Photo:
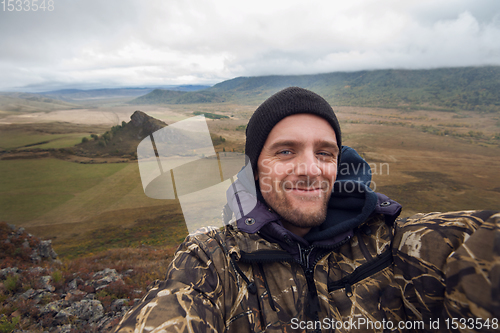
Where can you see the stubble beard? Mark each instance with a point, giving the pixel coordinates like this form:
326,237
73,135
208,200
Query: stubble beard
293,214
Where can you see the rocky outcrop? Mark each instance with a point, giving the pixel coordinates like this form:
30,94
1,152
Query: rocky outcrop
147,124
34,289
76,308
73,306
17,243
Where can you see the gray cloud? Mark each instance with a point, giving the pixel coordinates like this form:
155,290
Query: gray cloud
91,43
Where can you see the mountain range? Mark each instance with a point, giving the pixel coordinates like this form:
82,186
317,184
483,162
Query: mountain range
72,95
446,89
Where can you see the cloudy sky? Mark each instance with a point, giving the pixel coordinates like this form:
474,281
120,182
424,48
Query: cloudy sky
112,43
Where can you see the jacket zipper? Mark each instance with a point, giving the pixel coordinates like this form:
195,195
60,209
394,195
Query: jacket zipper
362,272
265,256
314,306
330,248
312,293
304,256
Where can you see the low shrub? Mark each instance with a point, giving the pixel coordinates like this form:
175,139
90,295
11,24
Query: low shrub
8,325
12,283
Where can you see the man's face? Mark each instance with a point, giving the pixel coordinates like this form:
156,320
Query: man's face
297,168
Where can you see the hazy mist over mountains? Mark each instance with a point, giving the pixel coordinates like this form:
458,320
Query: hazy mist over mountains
92,44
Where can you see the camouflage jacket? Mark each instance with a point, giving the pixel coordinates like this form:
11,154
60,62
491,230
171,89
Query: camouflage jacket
426,272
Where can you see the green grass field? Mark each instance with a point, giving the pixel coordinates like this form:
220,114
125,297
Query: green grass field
31,188
86,208
13,140
159,226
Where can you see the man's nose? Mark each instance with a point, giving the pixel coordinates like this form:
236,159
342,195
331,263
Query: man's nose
307,165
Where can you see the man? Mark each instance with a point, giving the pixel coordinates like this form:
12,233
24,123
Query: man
320,251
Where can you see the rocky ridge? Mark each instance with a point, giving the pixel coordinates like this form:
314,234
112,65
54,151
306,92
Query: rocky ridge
37,293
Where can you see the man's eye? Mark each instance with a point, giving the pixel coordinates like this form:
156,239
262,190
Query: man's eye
284,152
325,155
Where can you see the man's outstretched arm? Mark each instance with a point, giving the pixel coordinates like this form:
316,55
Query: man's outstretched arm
447,267
189,299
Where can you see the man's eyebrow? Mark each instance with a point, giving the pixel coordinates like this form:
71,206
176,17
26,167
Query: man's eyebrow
293,143
283,143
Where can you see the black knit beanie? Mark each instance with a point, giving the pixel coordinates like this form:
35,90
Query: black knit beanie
287,102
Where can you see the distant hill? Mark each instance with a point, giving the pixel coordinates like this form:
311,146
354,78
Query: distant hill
122,139
26,102
160,96
467,88
77,94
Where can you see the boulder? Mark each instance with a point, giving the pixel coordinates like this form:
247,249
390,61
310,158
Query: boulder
74,283
103,278
9,271
45,283
45,249
87,310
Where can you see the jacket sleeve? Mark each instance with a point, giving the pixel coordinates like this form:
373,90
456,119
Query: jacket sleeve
447,266
188,300
473,277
